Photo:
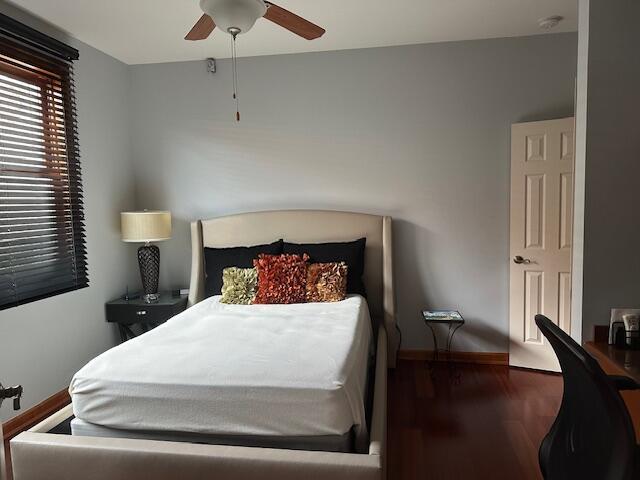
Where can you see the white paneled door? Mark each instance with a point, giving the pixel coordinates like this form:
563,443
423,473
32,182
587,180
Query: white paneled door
541,228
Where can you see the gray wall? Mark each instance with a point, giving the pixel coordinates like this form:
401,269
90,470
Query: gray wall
42,344
417,132
612,157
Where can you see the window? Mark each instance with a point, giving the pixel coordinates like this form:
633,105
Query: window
42,248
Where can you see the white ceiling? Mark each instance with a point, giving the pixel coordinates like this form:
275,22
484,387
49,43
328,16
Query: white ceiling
151,31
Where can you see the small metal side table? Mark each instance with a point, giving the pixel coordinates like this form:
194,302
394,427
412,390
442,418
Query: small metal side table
127,313
452,319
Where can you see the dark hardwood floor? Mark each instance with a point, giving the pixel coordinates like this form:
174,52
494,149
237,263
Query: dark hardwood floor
487,426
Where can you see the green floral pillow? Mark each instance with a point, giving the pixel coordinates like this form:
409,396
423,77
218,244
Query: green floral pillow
239,285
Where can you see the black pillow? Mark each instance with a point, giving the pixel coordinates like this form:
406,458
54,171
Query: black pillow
217,259
352,253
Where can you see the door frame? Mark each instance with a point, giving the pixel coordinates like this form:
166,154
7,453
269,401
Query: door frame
579,181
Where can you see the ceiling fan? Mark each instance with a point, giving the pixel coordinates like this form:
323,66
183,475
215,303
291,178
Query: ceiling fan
238,16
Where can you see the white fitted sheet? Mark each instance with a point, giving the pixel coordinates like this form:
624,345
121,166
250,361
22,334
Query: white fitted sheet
290,370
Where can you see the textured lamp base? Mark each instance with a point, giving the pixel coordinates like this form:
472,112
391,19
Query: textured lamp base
149,262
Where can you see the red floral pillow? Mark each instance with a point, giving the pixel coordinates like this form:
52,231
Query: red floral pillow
281,278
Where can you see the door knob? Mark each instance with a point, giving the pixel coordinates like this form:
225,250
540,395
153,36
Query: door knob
519,260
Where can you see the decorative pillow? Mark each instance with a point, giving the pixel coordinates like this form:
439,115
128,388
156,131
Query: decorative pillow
217,259
281,278
326,282
351,253
239,285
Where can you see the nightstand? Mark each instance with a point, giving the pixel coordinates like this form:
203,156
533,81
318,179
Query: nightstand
452,319
129,313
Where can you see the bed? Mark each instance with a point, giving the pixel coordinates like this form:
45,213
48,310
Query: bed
288,376
316,433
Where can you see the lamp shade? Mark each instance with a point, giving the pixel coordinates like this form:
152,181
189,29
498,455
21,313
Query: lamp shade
145,226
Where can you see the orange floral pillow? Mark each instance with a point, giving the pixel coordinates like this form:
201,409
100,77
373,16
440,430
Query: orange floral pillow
281,278
326,282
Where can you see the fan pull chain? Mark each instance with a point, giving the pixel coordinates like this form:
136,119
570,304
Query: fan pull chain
234,63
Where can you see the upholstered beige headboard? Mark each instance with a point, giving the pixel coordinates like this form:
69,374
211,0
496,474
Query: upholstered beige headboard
308,226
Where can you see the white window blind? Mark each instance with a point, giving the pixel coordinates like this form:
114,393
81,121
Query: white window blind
42,248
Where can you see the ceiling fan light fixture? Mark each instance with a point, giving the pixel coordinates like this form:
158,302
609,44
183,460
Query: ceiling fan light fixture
234,16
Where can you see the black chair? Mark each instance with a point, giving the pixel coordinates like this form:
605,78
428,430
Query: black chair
592,436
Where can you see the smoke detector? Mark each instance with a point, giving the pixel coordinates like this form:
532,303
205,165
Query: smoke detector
548,23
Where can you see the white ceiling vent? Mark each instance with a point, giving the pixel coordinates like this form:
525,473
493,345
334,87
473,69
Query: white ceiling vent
548,23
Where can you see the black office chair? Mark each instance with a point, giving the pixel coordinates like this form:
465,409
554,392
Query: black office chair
592,436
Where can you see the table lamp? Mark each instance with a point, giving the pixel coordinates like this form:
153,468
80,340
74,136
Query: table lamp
147,226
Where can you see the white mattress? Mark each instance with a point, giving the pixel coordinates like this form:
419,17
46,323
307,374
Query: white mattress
290,370
325,443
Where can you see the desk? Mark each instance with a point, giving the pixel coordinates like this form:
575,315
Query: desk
616,361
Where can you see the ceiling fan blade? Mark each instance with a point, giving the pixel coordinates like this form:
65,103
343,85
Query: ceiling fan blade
202,29
293,22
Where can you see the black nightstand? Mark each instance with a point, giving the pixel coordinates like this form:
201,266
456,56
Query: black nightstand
127,313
